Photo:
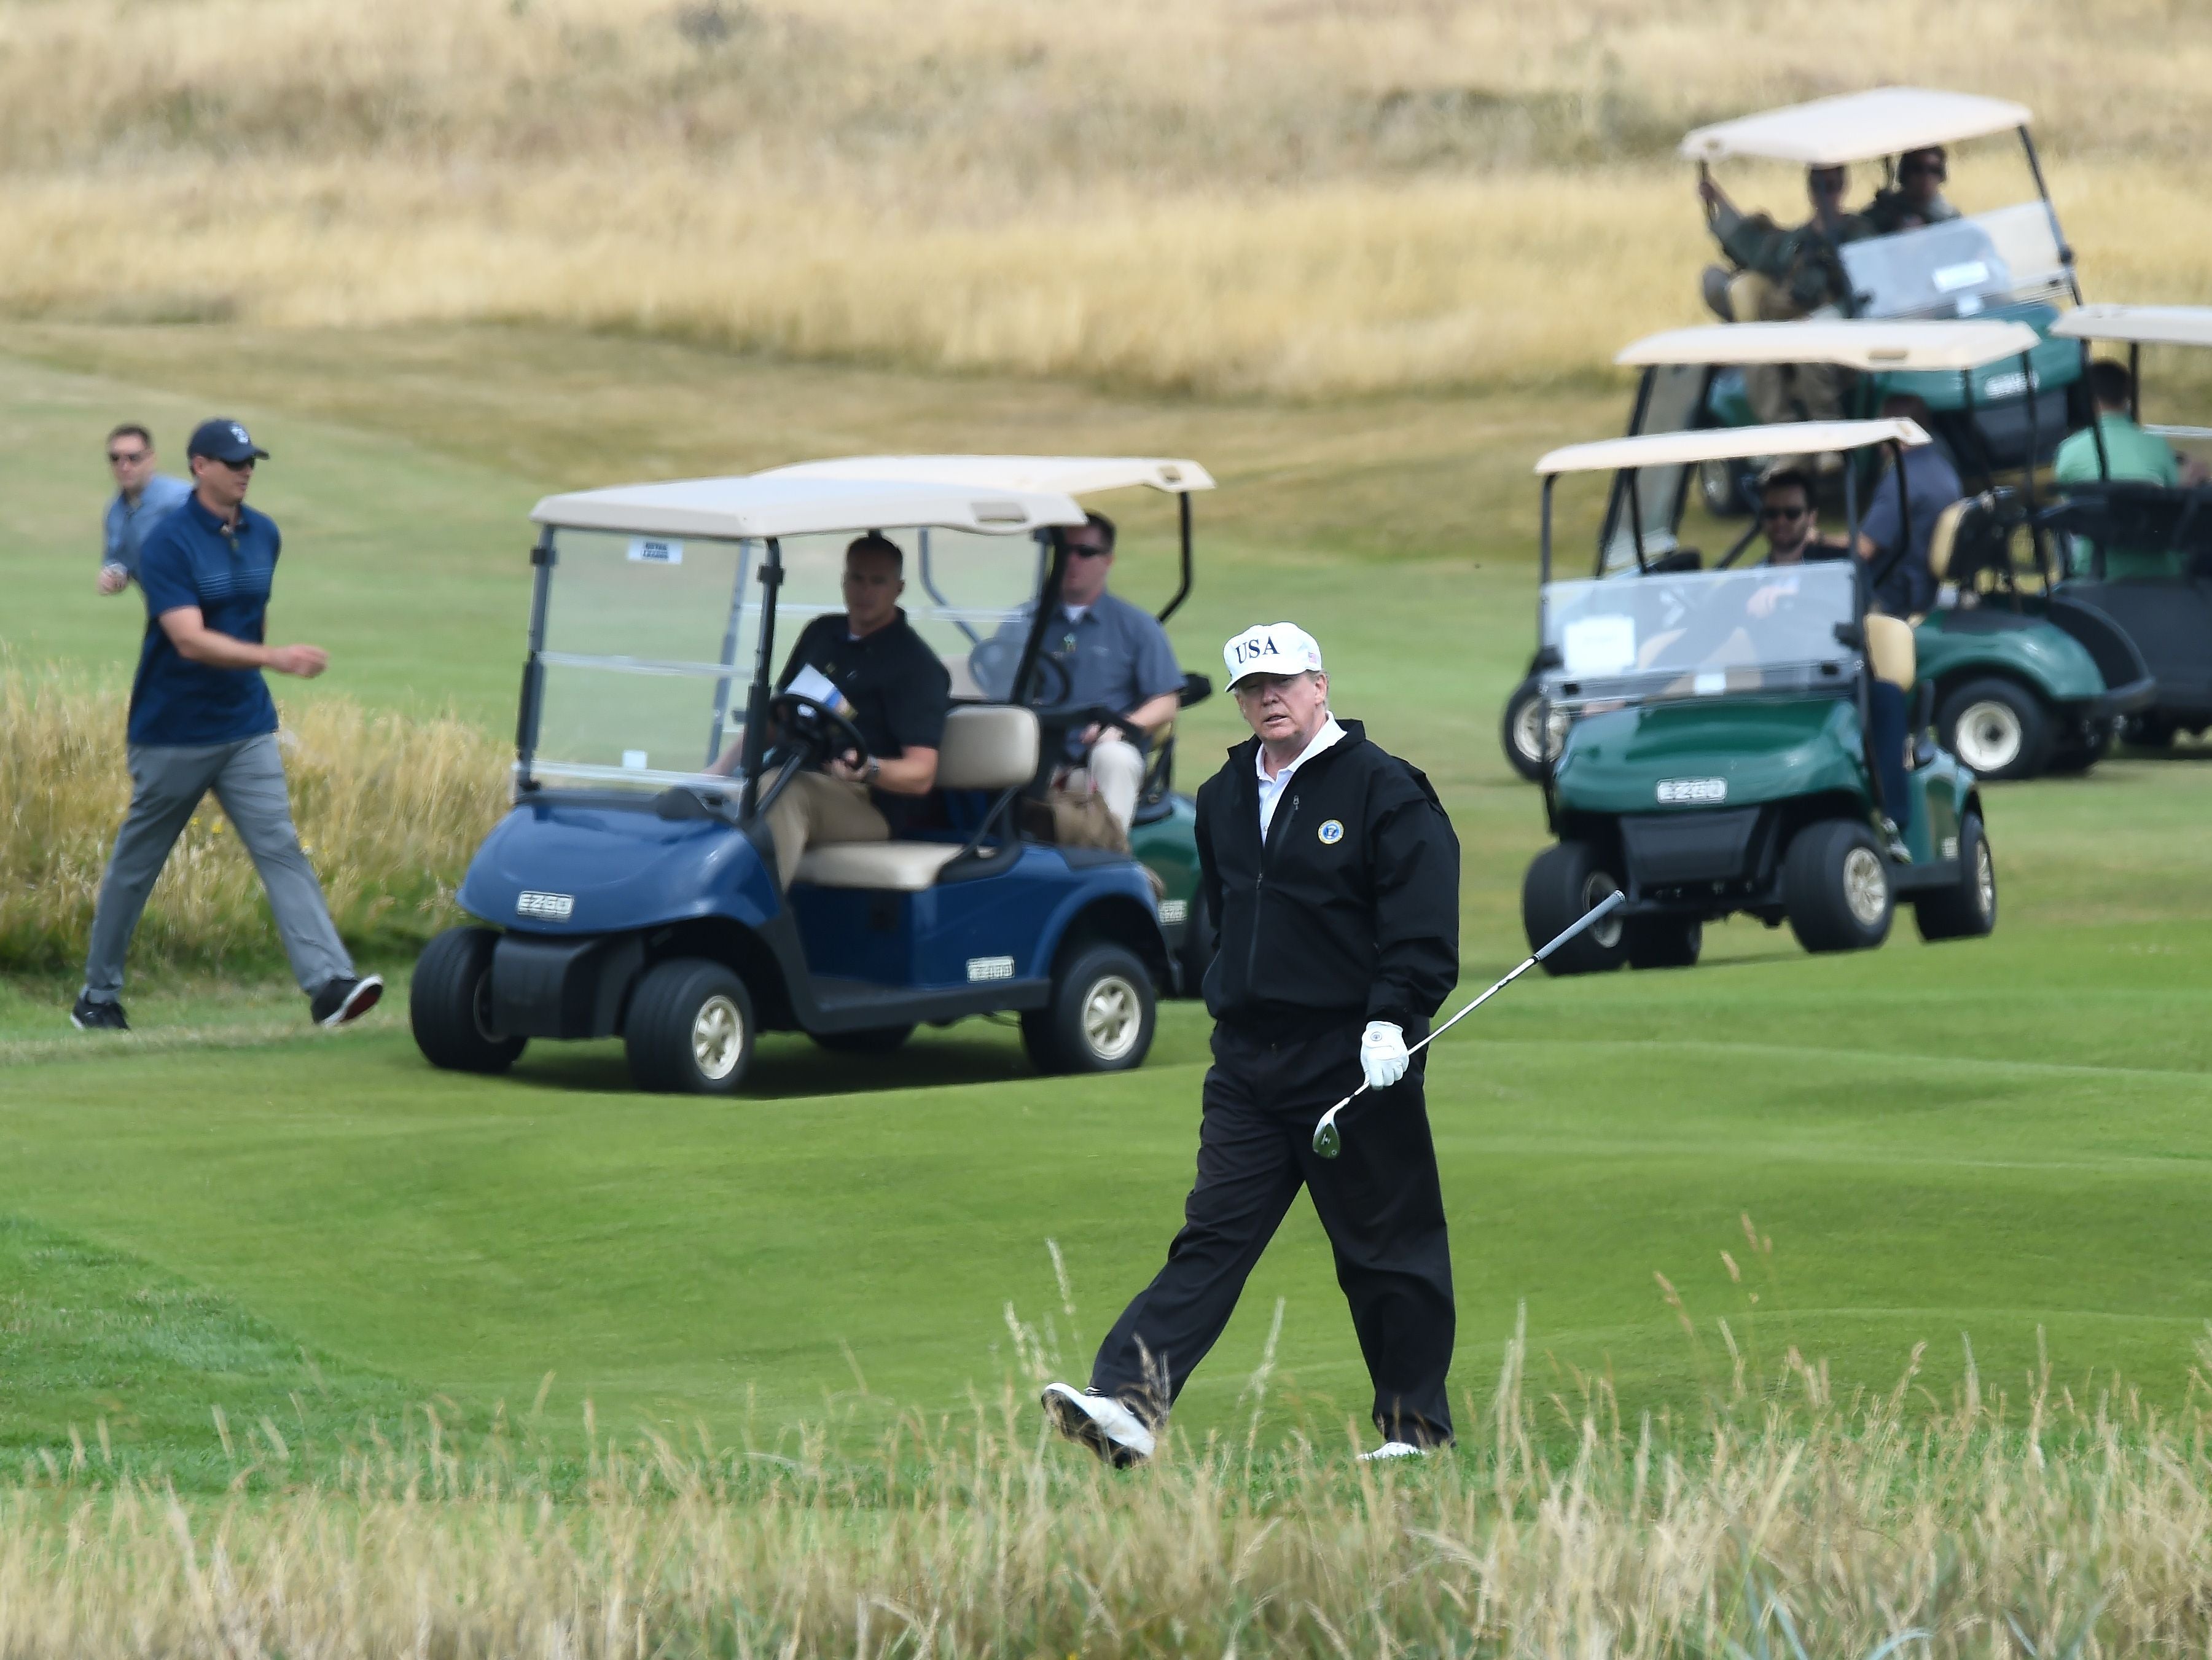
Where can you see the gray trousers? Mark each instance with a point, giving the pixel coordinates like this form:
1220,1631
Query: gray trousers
167,784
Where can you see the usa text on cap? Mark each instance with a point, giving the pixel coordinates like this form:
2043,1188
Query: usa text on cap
1270,648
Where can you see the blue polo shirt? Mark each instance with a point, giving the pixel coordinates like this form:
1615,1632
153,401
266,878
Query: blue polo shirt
193,558
1117,654
124,531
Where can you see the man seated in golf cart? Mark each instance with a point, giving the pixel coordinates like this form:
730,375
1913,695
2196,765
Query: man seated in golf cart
1917,198
869,664
1779,275
2116,447
1789,512
1114,656
1914,490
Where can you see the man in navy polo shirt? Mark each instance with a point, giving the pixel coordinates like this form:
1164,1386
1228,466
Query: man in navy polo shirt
202,718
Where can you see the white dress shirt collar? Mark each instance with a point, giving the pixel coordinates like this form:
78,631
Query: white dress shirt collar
1271,789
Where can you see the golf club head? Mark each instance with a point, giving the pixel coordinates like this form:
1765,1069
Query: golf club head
1326,1142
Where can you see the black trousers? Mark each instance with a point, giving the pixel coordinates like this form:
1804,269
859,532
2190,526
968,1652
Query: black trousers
1379,1199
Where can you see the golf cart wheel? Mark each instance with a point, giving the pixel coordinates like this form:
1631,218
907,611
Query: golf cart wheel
690,1029
1720,488
449,1004
2148,732
1562,885
874,1040
1997,727
1836,884
1520,731
1101,1016
1665,942
1967,910
2080,753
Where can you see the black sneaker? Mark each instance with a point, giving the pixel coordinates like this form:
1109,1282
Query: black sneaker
341,1001
88,1016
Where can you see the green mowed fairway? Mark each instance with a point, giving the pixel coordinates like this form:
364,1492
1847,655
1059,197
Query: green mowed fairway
2004,1140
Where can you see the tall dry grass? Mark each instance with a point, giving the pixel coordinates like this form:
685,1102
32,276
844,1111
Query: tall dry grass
389,809
1784,1522
1241,196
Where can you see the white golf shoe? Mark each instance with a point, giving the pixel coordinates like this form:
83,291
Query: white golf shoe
1099,1422
1394,1450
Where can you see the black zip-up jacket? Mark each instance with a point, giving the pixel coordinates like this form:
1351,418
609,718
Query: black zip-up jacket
1350,911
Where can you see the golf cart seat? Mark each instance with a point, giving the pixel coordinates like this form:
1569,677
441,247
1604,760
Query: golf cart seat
1974,537
988,747
965,687
1890,650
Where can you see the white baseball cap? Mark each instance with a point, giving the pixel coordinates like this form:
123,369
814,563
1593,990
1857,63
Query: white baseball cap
1272,648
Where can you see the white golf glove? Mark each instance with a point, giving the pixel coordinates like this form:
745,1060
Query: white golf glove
1382,1056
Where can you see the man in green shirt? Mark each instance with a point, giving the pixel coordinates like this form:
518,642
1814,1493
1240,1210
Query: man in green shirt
1781,274
2117,449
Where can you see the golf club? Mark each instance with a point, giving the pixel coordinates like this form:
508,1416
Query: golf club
1329,1140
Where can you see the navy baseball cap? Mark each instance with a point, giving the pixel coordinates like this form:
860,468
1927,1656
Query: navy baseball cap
224,441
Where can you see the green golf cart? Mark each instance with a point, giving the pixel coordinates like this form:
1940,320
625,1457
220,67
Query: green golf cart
1162,835
2160,593
2024,683
1714,753
2009,262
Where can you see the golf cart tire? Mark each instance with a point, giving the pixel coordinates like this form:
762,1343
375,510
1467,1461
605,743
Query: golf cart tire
2148,732
1664,942
1720,488
1522,721
1968,910
449,1004
2079,754
1998,727
690,1029
1827,863
1101,1016
1562,883
870,1040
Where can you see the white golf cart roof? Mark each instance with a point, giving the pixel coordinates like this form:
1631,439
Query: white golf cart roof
1070,475
2139,326
1866,345
1668,449
1858,127
768,504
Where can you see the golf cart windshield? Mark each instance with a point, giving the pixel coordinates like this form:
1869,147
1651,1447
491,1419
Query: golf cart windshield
1959,267
1699,634
650,641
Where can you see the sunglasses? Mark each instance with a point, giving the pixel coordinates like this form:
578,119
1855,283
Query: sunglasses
1082,550
1922,170
246,465
126,457
1784,513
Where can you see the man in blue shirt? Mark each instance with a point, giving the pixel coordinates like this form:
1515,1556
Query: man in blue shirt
1117,658
202,718
1907,587
144,498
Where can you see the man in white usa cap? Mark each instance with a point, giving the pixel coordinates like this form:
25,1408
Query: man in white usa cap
1335,873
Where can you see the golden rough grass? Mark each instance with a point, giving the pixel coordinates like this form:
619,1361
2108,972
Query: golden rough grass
1784,1522
389,809
1225,195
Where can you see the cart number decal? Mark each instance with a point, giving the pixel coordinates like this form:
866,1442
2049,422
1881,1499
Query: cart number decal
652,550
547,907
1682,792
990,968
1173,911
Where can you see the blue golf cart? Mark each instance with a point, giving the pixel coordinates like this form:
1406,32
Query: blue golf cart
632,890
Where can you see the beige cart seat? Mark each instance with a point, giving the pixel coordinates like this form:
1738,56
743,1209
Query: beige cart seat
1889,648
988,747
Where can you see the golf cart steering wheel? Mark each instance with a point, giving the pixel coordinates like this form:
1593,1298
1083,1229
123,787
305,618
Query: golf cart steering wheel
827,732
1067,717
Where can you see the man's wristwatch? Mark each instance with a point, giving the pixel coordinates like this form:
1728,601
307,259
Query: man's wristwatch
874,767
